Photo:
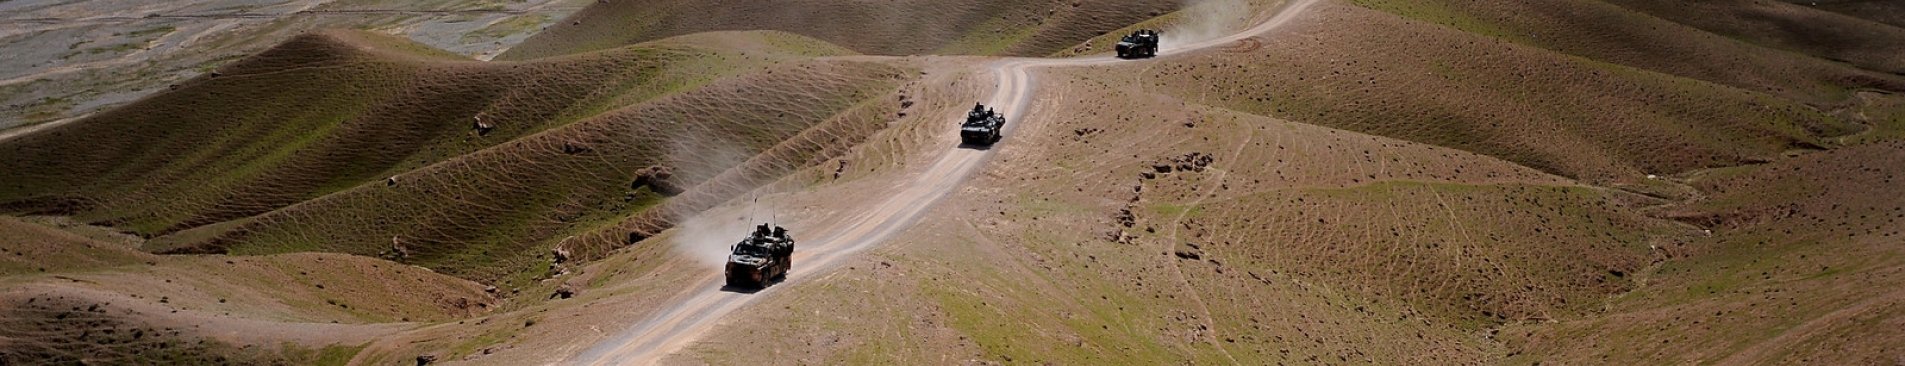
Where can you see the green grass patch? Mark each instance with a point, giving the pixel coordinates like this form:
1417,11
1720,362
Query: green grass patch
1173,211
117,48
161,30
336,355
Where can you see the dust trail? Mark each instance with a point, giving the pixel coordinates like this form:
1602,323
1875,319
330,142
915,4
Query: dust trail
706,237
1204,20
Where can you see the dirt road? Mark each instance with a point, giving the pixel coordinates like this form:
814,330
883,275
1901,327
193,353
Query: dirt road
695,313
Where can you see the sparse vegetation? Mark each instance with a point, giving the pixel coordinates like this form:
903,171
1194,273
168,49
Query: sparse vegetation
1377,181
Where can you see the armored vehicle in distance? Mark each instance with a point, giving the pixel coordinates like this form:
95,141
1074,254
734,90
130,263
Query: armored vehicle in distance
1140,44
982,126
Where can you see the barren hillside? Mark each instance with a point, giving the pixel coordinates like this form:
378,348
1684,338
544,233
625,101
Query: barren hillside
989,27
1288,182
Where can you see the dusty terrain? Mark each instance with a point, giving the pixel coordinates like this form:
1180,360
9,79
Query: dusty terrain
69,58
1290,182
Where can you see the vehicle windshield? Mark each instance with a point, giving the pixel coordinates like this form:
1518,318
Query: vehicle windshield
750,250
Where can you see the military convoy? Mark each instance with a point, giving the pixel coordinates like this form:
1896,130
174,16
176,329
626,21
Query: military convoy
766,255
763,258
982,126
1140,44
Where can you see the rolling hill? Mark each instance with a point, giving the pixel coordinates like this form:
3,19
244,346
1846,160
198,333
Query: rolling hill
1356,182
1024,28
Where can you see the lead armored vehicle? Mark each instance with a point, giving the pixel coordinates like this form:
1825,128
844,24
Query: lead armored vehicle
762,258
1140,44
982,126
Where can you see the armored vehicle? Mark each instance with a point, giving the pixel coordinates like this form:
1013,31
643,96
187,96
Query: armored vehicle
762,258
1140,44
982,126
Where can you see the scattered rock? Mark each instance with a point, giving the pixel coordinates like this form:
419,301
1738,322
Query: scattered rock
573,148
397,252
1082,133
1194,161
482,128
1190,251
657,179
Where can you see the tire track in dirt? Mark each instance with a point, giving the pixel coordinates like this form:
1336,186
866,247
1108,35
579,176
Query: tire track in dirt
700,309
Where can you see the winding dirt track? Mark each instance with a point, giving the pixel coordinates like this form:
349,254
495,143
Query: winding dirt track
695,313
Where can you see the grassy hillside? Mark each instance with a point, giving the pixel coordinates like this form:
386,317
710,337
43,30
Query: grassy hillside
1802,28
1878,11
33,248
1803,267
1659,42
988,27
1582,118
334,116
71,296
375,147
318,115
495,213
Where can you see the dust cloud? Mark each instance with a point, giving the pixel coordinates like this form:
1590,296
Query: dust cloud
706,237
1205,20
